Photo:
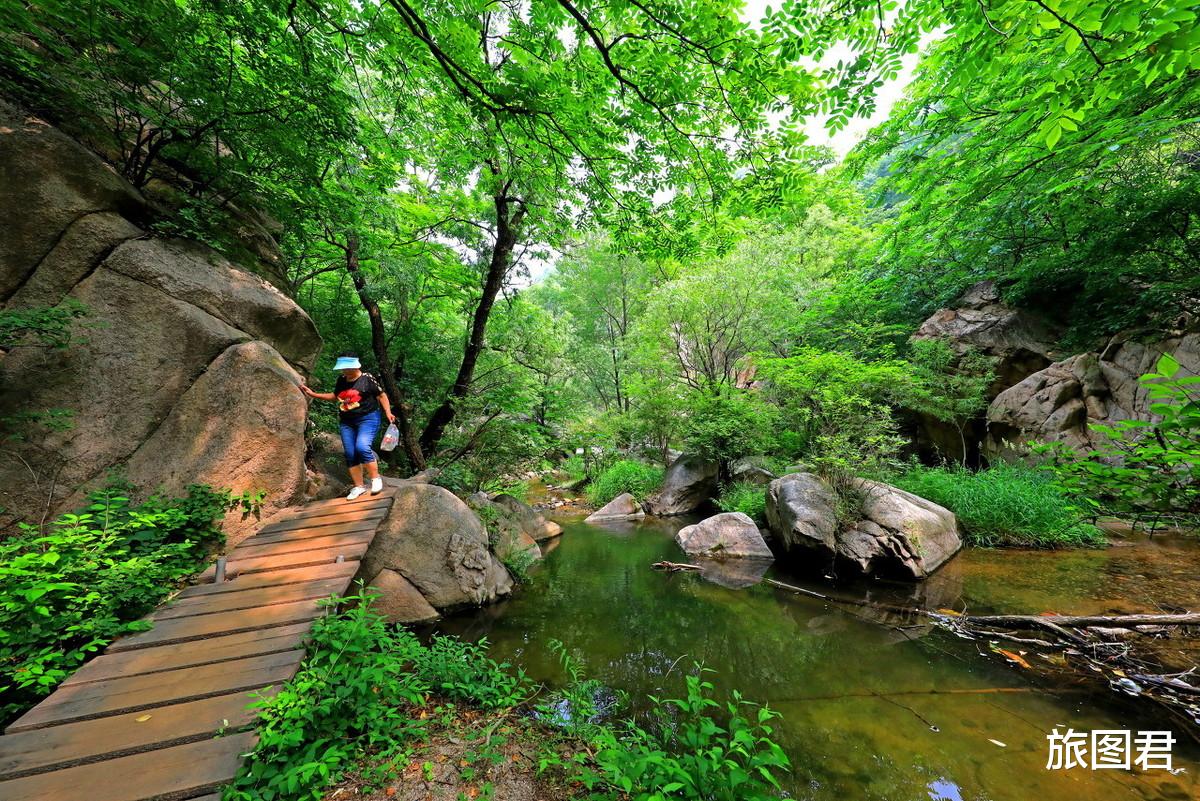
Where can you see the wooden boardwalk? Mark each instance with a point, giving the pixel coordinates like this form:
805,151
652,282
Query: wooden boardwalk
139,721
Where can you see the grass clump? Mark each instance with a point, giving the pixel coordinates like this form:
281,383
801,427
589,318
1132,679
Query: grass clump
636,478
1009,504
745,497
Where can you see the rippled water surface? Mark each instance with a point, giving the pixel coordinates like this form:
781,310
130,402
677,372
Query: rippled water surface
874,705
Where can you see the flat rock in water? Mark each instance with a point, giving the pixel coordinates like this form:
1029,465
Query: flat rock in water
622,507
727,535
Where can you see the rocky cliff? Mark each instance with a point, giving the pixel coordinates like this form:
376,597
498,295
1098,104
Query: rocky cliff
1040,394
184,368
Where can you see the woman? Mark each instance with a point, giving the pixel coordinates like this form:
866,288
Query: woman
359,398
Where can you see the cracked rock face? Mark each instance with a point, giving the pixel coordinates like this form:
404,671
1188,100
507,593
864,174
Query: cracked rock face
897,534
437,543
183,370
1061,402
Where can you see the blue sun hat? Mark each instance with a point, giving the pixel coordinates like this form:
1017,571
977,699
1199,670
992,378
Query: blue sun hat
347,363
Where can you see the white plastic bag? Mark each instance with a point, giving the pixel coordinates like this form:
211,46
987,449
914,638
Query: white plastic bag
391,438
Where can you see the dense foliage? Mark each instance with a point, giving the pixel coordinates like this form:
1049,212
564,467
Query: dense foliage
554,224
635,478
70,588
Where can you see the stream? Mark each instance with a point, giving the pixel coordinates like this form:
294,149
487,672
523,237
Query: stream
873,706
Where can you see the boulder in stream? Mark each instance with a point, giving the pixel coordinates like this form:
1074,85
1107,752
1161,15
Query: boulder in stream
896,534
535,525
622,507
729,534
690,483
434,540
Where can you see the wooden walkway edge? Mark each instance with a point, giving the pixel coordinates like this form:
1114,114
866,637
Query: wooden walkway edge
162,715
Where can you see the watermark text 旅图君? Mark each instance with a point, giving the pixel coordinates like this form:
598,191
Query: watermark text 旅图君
1119,749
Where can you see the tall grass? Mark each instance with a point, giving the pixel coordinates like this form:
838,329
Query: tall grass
745,497
1004,505
627,475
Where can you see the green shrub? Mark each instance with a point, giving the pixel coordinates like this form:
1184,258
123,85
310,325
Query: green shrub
636,478
574,468
1004,505
463,671
745,497
352,696
67,593
357,695
687,752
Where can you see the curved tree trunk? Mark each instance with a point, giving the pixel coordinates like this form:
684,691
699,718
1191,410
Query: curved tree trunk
379,346
498,266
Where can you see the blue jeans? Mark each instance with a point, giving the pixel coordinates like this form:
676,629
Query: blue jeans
358,437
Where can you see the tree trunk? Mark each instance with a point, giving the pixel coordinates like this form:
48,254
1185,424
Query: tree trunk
506,240
379,346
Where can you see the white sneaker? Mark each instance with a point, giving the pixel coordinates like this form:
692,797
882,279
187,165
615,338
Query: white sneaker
376,486
356,492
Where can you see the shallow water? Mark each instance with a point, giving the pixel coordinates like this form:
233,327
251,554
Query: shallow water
872,707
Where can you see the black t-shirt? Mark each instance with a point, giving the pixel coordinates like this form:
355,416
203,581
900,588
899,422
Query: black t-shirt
358,398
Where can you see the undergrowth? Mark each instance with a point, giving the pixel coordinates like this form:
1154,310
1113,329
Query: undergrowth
636,478
363,699
1008,504
745,497
89,576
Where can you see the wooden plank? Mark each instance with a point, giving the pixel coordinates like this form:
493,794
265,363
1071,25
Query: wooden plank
254,581
317,531
379,502
56,747
261,549
168,774
228,602
130,694
204,626
288,560
191,654
326,520
366,501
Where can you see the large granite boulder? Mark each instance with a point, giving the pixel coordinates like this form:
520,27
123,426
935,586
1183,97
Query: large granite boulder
1061,402
895,534
749,473
435,541
183,370
622,507
1021,341
689,485
729,534
507,529
533,524
802,512
899,534
399,601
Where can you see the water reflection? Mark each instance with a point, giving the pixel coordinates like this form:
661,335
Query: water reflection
875,704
